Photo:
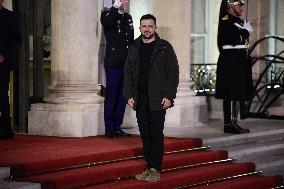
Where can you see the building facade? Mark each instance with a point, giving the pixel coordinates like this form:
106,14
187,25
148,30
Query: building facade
72,104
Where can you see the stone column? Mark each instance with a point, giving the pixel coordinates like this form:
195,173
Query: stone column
74,107
173,22
8,4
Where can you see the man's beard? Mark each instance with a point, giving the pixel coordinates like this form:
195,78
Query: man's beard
148,36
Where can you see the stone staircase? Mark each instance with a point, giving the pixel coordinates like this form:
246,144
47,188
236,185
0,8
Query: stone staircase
264,146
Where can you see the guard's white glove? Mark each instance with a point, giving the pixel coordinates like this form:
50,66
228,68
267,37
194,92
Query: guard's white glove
247,26
117,4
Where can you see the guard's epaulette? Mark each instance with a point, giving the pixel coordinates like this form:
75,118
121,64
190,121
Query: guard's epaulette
225,17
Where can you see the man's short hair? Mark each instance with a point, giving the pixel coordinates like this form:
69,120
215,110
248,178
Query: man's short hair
147,17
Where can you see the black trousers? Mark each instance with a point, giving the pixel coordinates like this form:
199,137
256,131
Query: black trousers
5,120
151,126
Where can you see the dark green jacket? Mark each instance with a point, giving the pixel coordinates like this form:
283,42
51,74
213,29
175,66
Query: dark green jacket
163,75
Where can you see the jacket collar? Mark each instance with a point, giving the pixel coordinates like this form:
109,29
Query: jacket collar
138,41
159,45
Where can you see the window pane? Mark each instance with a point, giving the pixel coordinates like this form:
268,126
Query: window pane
267,16
280,18
278,67
197,50
198,16
279,47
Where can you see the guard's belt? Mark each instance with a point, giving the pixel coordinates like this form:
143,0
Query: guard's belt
234,47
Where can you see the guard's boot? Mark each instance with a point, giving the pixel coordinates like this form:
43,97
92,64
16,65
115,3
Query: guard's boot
234,118
243,110
229,126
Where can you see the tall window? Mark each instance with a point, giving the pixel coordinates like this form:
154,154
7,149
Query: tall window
204,51
199,35
204,23
276,27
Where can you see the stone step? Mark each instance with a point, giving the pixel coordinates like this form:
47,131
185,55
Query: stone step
255,150
268,155
264,146
231,140
19,185
271,165
4,173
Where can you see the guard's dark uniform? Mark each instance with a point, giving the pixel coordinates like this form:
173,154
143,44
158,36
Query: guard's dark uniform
119,34
10,40
233,67
234,79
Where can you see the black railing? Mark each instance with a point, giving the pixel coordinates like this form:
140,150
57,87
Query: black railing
268,86
268,82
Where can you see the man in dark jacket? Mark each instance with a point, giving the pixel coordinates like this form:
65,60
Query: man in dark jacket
119,34
151,80
234,78
10,40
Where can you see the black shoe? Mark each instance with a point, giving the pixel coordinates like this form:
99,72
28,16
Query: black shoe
111,135
122,133
230,128
7,136
240,128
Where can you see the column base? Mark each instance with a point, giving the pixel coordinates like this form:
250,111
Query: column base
74,93
130,119
189,110
68,120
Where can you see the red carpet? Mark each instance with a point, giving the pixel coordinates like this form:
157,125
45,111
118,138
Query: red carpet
39,155
183,177
31,154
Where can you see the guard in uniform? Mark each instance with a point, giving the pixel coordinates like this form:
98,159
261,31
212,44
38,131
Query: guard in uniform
234,76
119,34
10,40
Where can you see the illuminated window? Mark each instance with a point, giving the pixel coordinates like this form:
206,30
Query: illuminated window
204,23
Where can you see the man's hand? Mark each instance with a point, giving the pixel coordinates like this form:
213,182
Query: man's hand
117,4
166,103
131,102
2,58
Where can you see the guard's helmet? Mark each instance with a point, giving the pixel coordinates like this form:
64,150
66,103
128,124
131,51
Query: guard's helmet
235,2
